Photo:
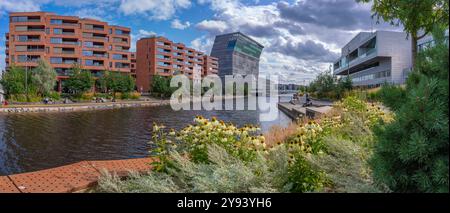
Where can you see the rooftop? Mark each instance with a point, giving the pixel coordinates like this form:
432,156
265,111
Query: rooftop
243,35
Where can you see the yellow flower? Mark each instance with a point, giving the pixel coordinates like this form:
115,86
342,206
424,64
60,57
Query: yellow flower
172,132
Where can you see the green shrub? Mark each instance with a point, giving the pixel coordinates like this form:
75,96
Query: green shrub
392,96
327,86
135,95
125,96
224,174
54,95
303,178
412,152
87,96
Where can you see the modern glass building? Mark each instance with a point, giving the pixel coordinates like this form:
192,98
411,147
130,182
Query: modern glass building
374,58
237,54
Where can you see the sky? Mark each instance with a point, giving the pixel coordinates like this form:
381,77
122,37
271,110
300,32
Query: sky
301,38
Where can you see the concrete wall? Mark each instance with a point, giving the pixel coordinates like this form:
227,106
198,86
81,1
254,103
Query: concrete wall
398,47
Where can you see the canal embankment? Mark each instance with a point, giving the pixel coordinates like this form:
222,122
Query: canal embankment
296,110
80,106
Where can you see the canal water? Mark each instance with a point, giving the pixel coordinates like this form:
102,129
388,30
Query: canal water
35,141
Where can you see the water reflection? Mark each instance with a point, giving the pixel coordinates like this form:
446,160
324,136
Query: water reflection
30,142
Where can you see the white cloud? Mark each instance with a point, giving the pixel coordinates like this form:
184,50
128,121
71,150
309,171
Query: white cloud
203,43
213,26
297,44
141,34
19,6
177,24
154,9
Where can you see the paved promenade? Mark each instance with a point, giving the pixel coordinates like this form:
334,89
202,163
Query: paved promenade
70,178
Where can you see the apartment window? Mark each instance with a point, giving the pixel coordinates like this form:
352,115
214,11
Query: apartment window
47,31
110,64
57,50
89,62
21,58
117,40
56,60
117,56
21,48
87,35
160,43
56,40
110,31
57,31
162,64
88,53
21,28
110,47
89,44
47,49
160,56
121,65
88,26
22,38
19,19
55,21
118,32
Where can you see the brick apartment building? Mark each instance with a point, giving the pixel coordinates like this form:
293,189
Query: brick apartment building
66,40
133,64
157,55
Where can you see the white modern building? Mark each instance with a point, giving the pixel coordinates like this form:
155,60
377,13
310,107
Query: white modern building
374,58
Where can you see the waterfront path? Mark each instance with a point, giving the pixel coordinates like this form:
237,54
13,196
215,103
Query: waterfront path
81,106
71,178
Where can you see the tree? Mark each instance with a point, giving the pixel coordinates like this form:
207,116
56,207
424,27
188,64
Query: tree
415,16
79,80
412,152
103,81
118,82
13,81
161,85
44,77
323,84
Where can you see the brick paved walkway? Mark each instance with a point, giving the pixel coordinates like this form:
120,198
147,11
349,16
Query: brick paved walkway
70,178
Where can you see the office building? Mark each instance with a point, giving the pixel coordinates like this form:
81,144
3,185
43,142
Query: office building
237,54
374,58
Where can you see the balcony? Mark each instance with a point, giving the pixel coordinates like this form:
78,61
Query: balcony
35,50
70,42
70,61
98,28
68,33
36,30
100,55
69,24
100,37
65,52
364,56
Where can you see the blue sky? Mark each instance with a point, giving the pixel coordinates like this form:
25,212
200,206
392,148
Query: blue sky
301,38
